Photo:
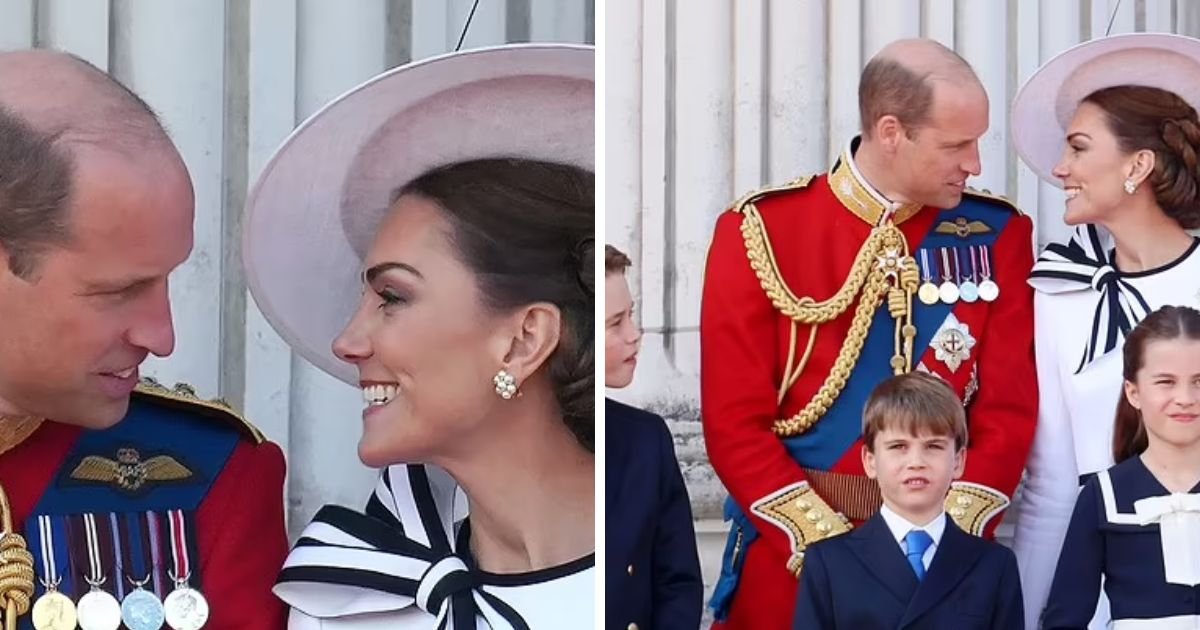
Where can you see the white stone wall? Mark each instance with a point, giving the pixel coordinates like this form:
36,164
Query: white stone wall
708,99
231,79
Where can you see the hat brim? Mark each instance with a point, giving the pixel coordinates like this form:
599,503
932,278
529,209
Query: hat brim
1044,106
315,208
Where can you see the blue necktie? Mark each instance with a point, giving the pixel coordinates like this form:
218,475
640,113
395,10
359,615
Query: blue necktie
918,541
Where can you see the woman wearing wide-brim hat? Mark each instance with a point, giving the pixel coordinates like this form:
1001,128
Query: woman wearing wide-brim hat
428,238
1113,122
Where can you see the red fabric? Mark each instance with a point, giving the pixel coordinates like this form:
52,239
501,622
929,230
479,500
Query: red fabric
243,541
744,349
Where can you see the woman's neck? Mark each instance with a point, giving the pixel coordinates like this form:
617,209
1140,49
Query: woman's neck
531,488
1147,239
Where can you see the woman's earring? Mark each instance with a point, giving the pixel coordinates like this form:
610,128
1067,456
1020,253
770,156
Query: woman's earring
1130,186
505,384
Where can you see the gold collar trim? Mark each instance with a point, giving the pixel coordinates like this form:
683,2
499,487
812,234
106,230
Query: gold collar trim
859,197
16,429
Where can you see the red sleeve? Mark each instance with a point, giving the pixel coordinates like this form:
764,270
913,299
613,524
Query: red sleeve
739,381
243,540
1003,414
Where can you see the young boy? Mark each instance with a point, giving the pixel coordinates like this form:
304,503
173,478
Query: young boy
652,570
909,566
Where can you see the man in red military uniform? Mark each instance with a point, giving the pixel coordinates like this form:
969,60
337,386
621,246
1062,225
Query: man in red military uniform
113,492
819,289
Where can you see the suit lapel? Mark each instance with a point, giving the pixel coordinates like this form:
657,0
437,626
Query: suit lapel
879,553
616,454
957,552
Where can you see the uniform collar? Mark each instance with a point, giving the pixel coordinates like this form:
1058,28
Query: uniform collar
859,196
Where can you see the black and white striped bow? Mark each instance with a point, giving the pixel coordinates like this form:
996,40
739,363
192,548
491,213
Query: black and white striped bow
1085,262
399,554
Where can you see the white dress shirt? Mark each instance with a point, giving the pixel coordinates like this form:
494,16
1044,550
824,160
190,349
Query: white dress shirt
900,527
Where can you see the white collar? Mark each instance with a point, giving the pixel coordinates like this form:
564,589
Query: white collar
900,526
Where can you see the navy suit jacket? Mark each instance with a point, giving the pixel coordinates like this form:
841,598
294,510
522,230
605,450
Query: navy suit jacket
652,571
861,580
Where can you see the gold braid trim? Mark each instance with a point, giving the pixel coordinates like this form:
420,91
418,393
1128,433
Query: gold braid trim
803,515
16,569
974,505
804,310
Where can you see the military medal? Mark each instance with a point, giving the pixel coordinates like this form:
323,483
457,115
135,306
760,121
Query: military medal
967,289
185,607
988,290
98,609
141,610
928,293
948,292
53,610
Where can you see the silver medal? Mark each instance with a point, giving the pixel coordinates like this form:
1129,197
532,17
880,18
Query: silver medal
98,610
186,609
141,610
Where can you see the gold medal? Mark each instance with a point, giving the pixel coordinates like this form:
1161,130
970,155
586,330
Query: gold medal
928,293
54,611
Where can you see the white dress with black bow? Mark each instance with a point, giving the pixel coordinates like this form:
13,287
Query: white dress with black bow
405,564
1083,308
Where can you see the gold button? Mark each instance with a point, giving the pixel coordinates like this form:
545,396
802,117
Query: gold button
802,504
957,512
964,501
824,527
813,516
629,569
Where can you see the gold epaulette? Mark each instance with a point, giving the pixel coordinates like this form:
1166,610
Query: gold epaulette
973,505
987,195
803,515
183,396
796,184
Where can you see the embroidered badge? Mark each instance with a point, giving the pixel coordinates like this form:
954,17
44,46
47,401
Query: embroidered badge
953,342
129,472
962,228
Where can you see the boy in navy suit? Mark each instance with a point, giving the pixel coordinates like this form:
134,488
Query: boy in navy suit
909,567
652,570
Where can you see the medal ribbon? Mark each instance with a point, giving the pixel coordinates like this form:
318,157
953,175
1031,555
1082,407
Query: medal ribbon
926,276
93,548
49,562
945,265
179,551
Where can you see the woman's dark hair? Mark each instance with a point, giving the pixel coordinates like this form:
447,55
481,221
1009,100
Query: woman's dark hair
1160,121
1165,324
526,229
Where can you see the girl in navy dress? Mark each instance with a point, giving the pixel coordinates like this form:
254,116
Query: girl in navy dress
1137,524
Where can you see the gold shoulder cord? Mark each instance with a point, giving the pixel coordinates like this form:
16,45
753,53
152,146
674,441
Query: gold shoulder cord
16,569
883,267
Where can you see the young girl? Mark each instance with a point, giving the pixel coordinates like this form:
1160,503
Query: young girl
1137,524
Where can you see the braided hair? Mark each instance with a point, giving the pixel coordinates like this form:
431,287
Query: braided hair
1147,118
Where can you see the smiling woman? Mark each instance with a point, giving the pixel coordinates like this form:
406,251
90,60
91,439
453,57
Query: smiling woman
1114,123
460,191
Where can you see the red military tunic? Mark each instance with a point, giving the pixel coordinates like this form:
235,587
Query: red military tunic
208,464
791,476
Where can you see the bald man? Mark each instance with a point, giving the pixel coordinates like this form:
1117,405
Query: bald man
124,491
819,289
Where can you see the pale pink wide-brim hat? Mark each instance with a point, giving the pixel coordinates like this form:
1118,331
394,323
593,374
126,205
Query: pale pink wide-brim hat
1044,106
315,209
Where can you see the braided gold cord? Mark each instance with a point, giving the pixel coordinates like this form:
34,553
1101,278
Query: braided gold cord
835,382
805,310
16,569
